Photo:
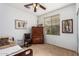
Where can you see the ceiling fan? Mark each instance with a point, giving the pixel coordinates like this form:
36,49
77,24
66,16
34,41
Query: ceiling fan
35,6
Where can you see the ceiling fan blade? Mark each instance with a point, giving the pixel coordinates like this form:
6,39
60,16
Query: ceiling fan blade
42,7
26,6
35,9
29,4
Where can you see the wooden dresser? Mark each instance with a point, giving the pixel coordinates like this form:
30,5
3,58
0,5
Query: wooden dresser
37,35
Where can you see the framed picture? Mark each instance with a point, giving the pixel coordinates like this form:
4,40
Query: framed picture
67,26
19,24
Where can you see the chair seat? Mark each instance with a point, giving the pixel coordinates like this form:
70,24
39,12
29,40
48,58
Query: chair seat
26,42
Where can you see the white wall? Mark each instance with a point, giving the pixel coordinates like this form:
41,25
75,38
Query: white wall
8,15
77,6
66,40
0,27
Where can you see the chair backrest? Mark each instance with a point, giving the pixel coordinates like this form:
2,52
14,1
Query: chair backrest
27,36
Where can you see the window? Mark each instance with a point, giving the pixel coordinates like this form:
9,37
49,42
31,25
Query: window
52,25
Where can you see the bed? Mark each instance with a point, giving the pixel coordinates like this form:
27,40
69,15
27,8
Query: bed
11,49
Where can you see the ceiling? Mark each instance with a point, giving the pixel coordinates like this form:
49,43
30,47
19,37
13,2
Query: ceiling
49,7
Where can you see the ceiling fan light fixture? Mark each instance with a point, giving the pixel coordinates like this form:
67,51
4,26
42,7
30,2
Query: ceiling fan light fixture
37,6
34,5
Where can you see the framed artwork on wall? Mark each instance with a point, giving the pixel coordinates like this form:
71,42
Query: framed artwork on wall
67,26
19,24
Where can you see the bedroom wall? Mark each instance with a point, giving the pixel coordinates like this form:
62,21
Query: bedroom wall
66,40
77,10
8,15
0,27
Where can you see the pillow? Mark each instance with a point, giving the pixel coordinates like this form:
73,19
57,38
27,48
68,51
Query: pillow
4,41
7,46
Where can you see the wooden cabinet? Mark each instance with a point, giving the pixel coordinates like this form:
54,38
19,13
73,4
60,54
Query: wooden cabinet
37,35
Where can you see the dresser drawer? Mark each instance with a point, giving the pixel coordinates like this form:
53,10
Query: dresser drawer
37,40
